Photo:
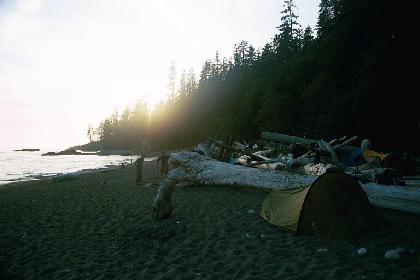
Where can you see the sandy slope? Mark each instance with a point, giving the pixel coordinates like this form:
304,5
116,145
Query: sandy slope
100,226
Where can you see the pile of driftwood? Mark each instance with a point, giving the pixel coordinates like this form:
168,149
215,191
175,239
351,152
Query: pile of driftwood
282,161
308,156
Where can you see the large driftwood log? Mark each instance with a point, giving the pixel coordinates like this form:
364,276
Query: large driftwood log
191,168
288,139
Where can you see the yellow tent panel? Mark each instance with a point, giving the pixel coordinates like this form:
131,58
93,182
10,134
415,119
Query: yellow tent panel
282,207
334,206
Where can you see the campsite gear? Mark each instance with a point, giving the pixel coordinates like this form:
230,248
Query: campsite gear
334,206
351,158
369,154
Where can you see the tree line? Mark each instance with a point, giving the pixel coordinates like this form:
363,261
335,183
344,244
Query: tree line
344,78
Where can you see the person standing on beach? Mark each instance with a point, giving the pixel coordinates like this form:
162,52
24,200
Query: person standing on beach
162,162
139,169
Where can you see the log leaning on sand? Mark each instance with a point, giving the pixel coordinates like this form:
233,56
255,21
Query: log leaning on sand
191,168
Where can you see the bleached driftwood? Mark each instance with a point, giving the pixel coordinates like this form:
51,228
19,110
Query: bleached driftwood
288,139
327,147
163,201
195,168
243,152
191,168
301,161
338,141
394,197
337,146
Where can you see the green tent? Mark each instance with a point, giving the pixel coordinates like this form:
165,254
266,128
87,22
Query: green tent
333,207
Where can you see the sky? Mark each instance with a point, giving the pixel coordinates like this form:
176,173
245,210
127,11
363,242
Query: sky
66,64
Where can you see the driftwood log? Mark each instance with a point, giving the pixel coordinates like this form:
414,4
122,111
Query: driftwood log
191,168
243,152
288,139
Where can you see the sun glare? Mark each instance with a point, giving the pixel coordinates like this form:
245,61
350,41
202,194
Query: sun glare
96,57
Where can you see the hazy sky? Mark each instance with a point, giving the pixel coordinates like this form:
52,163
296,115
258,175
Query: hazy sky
65,64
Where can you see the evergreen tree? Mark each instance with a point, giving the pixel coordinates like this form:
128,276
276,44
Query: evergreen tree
240,53
183,87
328,14
205,74
289,28
191,83
172,81
307,37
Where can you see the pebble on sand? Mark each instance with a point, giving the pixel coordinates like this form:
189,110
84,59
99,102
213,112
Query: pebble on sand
400,249
362,251
392,254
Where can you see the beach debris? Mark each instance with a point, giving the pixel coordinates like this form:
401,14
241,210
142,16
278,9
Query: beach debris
319,168
193,168
362,251
249,236
400,249
392,254
322,250
291,162
251,211
162,204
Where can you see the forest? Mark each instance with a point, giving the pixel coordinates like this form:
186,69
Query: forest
346,77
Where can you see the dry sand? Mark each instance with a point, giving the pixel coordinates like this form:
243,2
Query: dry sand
101,226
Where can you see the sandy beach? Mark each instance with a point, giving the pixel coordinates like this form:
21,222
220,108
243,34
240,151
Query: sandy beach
101,226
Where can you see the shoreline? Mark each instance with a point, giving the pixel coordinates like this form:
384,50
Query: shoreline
81,172
49,177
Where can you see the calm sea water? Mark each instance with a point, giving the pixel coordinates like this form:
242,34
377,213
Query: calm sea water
25,166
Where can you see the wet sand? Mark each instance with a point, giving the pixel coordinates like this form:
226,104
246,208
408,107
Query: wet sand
101,226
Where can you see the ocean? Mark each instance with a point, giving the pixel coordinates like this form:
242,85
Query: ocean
26,166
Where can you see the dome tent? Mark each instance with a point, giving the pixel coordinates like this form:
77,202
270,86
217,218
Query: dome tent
334,206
